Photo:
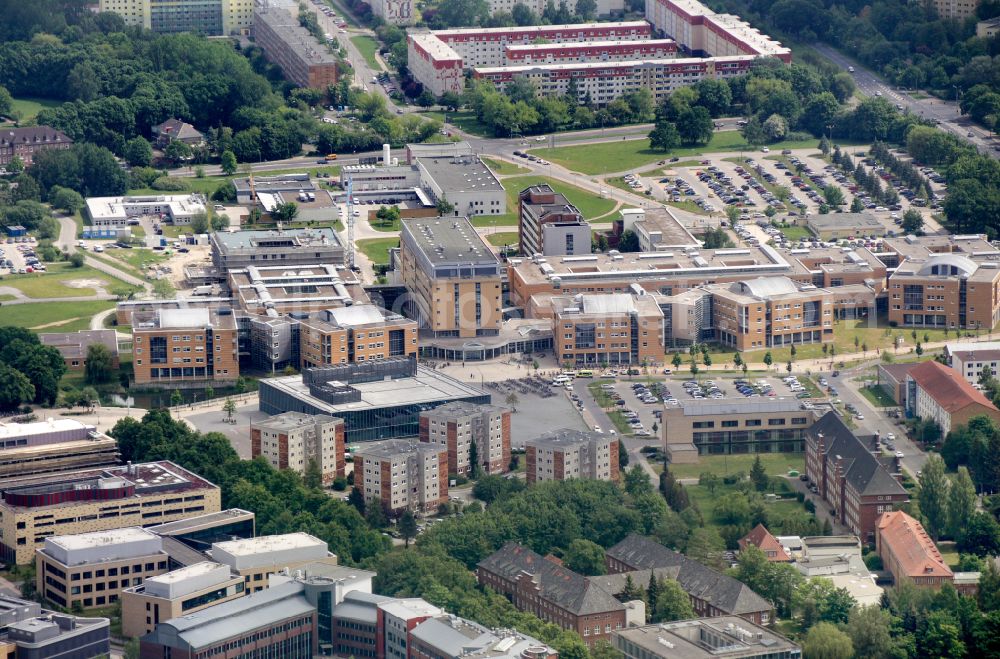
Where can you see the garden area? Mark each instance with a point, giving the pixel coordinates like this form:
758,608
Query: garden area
54,316
377,249
775,464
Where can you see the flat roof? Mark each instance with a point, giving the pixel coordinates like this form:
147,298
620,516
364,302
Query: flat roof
201,521
683,639
435,47
120,536
182,319
100,208
662,221
724,406
269,543
567,437
456,174
257,239
185,573
577,45
447,240
546,68
9,430
536,29
297,38
860,222
390,448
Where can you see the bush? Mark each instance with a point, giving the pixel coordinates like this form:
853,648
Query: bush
732,479
800,497
810,507
798,136
169,184
340,483
76,259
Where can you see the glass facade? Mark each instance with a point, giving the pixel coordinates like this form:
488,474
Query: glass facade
734,442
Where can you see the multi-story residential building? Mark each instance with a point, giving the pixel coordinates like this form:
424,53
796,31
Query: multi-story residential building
293,440
725,637
401,474
256,559
394,12
701,31
52,446
208,17
712,594
91,569
278,247
733,426
73,346
849,476
26,141
356,333
302,59
969,361
459,426
37,507
554,593
566,453
908,552
593,329
771,312
940,394
182,592
604,7
452,277
178,209
548,224
956,9
575,52
172,347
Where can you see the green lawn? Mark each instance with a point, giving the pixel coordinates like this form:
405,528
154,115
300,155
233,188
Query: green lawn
57,316
368,47
591,205
776,464
138,257
28,108
51,283
876,396
705,500
465,120
504,168
606,157
377,249
503,238
794,232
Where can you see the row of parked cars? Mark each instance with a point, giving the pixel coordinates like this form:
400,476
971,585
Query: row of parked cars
31,261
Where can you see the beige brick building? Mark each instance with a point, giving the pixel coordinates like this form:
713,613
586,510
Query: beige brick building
402,474
458,425
589,330
566,453
355,334
175,346
291,440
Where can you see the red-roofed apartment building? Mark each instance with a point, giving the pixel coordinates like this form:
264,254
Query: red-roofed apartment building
939,393
762,539
908,552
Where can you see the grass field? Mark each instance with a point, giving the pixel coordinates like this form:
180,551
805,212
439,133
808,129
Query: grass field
605,402
51,283
28,108
367,47
502,238
137,258
463,119
776,464
876,396
377,249
793,232
57,316
591,205
608,157
504,168
705,500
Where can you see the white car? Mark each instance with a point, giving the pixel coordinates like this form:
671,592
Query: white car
598,429
899,454
891,437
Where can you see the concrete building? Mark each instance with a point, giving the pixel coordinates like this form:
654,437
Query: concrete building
199,531
604,7
458,426
892,379
401,474
465,182
447,637
724,637
771,312
548,224
56,635
838,226
293,440
302,59
172,347
657,229
73,346
37,507
554,593
937,393
908,553
26,141
839,560
91,569
564,454
181,592
177,209
849,476
51,446
394,12
970,360
570,52
712,594
988,29
256,559
701,31
279,247
277,291
733,426
353,334
211,17
957,9
452,276
615,329
380,399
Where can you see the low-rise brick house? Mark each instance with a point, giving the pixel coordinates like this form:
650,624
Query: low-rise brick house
712,593
25,142
937,393
553,593
909,553
849,476
762,539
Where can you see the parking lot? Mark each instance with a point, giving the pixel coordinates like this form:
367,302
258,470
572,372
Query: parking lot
17,255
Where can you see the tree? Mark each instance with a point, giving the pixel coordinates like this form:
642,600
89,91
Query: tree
694,126
933,495
664,136
15,388
285,212
775,127
834,195
913,222
176,398
586,9
138,152
857,205
981,536
758,476
227,161
99,367
77,260
229,407
672,603
312,475
474,466
163,289
200,223
961,502
584,557
939,634
825,641
241,384
677,360
445,207
768,359
132,649
870,630
628,242
65,199
388,215
407,526
512,400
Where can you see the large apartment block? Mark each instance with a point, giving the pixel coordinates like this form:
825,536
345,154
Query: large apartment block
458,426
566,453
302,59
401,474
452,277
37,507
548,224
208,17
292,440
354,333
614,329
172,347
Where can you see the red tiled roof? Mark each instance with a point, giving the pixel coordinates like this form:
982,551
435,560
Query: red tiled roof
947,387
761,538
905,538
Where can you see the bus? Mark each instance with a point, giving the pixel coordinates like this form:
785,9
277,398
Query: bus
331,156
584,374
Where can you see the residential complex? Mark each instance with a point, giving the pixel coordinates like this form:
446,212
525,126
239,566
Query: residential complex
733,426
208,17
37,507
723,637
394,12
303,60
52,446
459,426
354,333
615,329
603,8
176,209
25,142
555,594
956,9
940,394
850,477
909,553
452,277
401,474
969,361
73,346
172,347
548,224
293,441
566,453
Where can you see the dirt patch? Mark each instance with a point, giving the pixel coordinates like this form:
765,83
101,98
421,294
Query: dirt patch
55,324
96,285
10,290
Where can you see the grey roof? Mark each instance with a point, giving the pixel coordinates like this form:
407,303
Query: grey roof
765,287
721,591
864,473
76,343
449,639
360,606
33,135
252,239
609,303
180,552
447,240
720,406
455,174
559,585
462,408
615,583
858,221
565,437
391,448
685,639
